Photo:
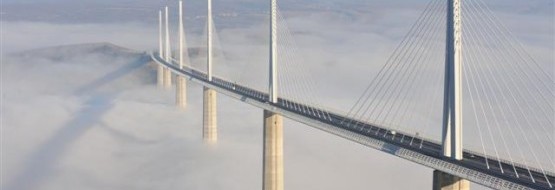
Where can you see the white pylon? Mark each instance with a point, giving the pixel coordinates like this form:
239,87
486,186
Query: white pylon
209,41
181,35
168,57
161,34
168,45
273,91
160,68
452,100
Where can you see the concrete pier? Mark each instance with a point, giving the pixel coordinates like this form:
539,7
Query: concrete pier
210,127
181,92
273,151
445,181
167,78
160,75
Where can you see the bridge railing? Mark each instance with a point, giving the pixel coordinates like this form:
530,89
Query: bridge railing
489,157
517,164
478,177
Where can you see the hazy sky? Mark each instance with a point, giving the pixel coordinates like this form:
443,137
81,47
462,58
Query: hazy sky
124,133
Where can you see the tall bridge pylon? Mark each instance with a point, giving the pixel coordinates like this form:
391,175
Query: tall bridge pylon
273,122
181,83
168,53
210,122
452,100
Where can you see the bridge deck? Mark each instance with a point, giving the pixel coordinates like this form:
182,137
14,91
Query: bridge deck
500,175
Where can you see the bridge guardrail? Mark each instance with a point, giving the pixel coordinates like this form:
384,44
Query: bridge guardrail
517,164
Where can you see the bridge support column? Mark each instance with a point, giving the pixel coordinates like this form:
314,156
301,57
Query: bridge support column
181,92
160,76
210,129
445,181
273,151
167,78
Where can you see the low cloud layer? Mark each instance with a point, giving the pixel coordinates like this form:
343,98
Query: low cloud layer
127,134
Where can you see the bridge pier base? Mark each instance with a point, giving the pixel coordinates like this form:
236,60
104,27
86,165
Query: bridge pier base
210,129
273,151
181,92
160,75
167,78
445,181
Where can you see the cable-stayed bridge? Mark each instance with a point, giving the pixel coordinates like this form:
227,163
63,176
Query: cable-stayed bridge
384,111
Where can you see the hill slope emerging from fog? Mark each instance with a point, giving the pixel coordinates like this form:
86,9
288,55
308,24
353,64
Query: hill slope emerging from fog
77,51
70,66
